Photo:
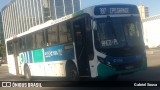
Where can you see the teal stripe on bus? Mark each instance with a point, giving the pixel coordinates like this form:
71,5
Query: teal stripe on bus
38,55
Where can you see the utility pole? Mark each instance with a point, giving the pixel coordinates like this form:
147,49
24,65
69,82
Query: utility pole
140,2
140,8
80,4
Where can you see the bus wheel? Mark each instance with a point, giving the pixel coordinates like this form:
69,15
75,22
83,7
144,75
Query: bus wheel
27,73
71,73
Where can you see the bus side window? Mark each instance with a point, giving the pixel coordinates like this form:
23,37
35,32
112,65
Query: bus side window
10,47
52,35
29,41
65,35
22,44
63,32
69,34
39,39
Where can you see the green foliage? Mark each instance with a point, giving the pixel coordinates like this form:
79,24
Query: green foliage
2,51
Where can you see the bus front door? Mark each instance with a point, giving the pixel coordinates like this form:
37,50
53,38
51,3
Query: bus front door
80,46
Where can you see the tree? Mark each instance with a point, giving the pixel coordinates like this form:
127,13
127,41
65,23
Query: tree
2,51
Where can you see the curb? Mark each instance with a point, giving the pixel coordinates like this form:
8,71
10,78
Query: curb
149,52
4,64
152,51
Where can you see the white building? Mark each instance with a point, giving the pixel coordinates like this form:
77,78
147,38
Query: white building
144,11
151,30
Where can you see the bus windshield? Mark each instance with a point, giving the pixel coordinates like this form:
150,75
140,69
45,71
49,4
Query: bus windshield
117,32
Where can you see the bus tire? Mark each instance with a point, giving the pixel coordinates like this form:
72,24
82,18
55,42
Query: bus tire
71,72
27,73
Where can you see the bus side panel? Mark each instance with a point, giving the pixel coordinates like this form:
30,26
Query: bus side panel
37,64
34,59
56,57
11,64
55,68
37,69
25,57
20,66
48,61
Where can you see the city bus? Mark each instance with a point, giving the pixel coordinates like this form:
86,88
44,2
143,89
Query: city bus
102,41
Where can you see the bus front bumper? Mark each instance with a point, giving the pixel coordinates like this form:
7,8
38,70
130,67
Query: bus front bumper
105,71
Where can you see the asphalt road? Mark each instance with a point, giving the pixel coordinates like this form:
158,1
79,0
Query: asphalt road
152,73
5,76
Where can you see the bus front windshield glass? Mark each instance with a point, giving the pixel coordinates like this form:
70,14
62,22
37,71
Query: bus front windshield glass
117,32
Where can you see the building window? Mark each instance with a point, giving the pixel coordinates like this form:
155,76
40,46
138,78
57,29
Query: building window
76,5
52,8
59,8
68,6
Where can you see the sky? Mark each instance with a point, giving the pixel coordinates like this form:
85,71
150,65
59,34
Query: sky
154,5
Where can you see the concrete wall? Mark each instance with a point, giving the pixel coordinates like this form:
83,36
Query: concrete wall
151,28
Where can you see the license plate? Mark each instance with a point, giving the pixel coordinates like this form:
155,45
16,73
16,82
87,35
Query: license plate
129,67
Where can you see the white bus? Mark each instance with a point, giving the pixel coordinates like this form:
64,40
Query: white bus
99,41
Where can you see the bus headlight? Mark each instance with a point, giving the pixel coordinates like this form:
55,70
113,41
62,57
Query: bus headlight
102,60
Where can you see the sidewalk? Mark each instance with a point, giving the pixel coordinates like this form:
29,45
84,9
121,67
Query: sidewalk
6,76
152,51
4,64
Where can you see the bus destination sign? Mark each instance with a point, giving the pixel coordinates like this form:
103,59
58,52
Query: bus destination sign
119,10
111,10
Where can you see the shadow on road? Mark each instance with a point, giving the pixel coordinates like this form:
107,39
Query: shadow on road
152,73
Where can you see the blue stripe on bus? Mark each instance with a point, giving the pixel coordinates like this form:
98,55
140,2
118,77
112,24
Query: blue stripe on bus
27,57
123,60
30,57
60,52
